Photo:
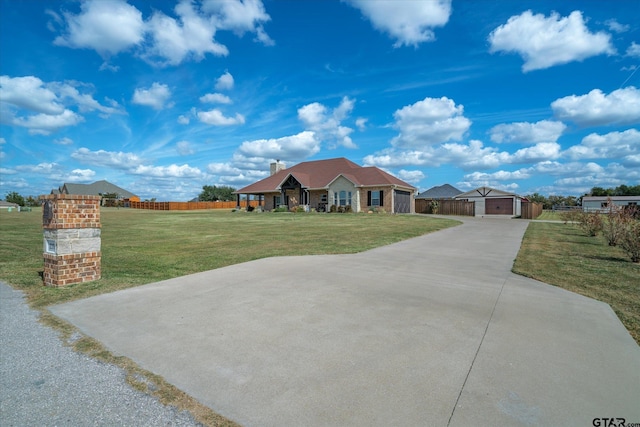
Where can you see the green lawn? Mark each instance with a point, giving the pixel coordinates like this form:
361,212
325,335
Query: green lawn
550,216
140,246
561,255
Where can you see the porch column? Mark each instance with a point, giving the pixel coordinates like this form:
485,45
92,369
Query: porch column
237,201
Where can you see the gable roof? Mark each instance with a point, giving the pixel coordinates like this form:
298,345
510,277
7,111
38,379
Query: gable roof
319,174
486,192
95,189
445,191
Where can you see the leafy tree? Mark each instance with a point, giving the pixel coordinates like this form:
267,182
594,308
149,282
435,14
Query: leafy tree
32,201
621,190
16,198
212,193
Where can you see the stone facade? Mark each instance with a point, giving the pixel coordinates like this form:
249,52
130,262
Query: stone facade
71,246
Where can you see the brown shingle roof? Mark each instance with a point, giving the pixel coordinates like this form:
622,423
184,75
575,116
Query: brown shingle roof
319,174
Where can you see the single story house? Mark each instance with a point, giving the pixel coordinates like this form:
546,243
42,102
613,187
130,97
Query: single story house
339,182
98,188
8,205
490,201
601,203
439,192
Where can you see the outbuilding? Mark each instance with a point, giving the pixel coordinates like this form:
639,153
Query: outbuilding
491,201
601,203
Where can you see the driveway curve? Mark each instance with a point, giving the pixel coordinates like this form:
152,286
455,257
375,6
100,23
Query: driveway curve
434,330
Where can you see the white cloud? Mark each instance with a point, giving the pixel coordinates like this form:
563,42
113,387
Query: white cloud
215,98
45,124
527,133
428,122
295,147
498,176
171,171
29,93
471,156
634,50
3,141
622,106
190,36
225,81
617,27
621,145
113,26
80,175
215,117
536,153
110,159
184,148
40,168
107,26
51,100
412,177
326,124
240,17
410,22
361,123
390,158
63,141
155,97
544,42
183,120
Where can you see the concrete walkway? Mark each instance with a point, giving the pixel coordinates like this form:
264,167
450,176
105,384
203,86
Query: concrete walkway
432,331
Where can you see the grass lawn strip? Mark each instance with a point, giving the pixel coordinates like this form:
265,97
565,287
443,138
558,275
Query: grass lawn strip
561,255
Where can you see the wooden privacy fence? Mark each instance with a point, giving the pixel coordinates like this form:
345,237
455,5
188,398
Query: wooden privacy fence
447,207
188,206
531,210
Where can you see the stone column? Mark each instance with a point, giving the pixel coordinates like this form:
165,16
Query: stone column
71,225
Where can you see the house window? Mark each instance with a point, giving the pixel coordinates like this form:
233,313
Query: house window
344,198
276,201
323,198
375,198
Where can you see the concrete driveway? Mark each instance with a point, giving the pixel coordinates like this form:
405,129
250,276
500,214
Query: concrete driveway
431,331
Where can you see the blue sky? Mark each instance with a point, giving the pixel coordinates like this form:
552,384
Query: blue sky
164,97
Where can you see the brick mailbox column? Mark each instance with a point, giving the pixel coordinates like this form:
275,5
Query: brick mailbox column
72,241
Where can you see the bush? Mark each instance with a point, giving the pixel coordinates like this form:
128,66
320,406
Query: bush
590,223
300,209
348,209
629,239
281,208
614,223
333,209
434,206
250,208
570,215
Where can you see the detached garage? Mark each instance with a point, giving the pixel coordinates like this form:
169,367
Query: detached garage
490,201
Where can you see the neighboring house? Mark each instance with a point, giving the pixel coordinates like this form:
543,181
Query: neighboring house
601,203
6,205
490,201
98,188
440,192
322,183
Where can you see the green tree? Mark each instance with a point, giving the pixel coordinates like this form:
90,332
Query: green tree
32,201
212,193
14,197
539,198
599,191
